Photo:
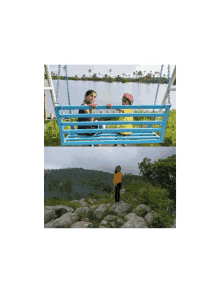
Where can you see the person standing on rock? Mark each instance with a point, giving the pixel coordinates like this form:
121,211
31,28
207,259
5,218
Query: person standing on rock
117,182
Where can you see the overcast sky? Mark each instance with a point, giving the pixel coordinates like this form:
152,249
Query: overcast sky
105,159
116,69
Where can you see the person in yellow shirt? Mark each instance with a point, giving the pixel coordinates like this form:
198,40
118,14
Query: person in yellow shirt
127,99
117,182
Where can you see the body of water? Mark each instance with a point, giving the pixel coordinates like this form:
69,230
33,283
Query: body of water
144,94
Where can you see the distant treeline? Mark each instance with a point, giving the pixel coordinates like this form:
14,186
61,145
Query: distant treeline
137,77
75,183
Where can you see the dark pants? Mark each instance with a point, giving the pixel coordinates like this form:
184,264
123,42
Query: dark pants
117,191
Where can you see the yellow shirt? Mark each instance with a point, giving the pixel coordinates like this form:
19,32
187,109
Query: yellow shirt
127,119
117,178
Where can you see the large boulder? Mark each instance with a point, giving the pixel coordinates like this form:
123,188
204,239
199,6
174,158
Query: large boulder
65,220
102,211
141,210
82,211
133,221
121,208
150,216
82,224
54,212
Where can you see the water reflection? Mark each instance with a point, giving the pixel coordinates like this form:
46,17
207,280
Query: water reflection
109,93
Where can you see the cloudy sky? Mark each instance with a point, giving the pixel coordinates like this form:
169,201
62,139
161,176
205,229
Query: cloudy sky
116,69
105,159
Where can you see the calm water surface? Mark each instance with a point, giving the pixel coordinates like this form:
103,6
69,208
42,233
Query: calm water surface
109,93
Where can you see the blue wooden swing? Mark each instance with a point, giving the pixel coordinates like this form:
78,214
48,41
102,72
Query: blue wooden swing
111,135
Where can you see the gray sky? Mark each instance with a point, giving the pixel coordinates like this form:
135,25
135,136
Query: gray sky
105,159
104,69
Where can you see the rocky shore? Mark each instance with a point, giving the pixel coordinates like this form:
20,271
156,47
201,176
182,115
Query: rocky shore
96,215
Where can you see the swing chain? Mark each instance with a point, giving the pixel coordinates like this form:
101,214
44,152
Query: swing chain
161,70
68,94
58,82
168,83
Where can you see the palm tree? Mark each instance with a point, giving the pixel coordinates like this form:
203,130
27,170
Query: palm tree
110,70
90,71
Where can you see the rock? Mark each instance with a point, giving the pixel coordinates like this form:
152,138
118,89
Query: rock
93,207
134,221
54,212
49,214
174,224
83,203
121,208
92,200
65,220
141,210
85,219
110,217
76,201
120,221
101,211
112,224
83,211
82,224
150,216
122,191
104,222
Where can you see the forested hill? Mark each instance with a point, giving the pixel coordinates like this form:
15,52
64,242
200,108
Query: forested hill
76,182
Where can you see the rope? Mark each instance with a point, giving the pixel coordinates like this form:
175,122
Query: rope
58,83
169,84
161,70
68,93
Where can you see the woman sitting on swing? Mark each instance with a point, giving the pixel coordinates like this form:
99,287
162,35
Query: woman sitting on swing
89,100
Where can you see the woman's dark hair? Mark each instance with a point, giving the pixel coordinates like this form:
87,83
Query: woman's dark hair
118,167
90,92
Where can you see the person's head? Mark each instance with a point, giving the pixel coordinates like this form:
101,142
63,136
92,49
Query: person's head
127,99
117,169
90,97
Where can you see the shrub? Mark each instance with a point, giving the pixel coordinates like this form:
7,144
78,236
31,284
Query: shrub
52,134
94,195
108,188
162,220
155,197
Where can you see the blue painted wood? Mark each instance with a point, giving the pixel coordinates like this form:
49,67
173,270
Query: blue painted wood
79,107
112,135
108,115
